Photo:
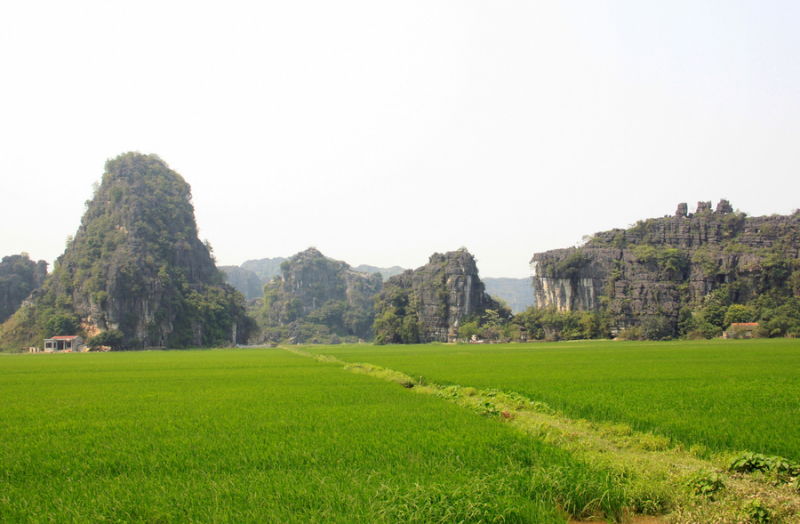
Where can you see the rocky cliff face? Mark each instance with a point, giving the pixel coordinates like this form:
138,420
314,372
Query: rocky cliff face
660,265
137,266
426,304
19,276
314,289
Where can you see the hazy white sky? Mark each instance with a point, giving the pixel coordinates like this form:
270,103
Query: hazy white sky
381,132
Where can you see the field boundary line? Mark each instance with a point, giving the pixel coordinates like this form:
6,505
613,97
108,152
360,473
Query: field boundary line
659,469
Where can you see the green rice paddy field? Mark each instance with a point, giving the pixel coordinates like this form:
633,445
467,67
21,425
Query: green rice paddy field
262,436
726,395
265,435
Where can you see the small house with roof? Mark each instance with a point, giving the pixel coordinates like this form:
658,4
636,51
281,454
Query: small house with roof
68,343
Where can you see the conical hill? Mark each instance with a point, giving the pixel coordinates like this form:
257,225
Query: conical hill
135,268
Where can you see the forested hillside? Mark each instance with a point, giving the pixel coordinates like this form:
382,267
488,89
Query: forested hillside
135,274
318,299
19,276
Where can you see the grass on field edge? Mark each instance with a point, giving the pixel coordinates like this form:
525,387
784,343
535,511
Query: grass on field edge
683,486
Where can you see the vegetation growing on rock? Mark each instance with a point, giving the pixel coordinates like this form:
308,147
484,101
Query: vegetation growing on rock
429,303
678,276
137,266
19,276
316,298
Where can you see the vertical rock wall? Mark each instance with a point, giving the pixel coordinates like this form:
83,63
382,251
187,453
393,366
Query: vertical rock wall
660,265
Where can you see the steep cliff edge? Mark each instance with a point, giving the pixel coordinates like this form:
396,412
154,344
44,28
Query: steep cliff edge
661,265
318,297
426,304
137,267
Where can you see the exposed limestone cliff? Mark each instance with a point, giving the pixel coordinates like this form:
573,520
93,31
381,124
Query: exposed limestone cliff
315,290
660,265
136,266
426,304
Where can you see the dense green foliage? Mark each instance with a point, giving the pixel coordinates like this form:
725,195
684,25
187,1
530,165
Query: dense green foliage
110,338
136,265
265,436
550,324
316,298
397,321
725,395
19,276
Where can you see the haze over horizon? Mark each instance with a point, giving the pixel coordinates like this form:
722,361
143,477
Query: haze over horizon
381,133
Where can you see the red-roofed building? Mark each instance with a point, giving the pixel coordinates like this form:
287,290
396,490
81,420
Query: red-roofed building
64,343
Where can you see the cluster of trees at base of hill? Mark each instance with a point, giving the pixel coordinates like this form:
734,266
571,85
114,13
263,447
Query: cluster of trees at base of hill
776,314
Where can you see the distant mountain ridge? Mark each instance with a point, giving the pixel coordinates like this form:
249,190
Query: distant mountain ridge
265,268
247,282
516,292
386,272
